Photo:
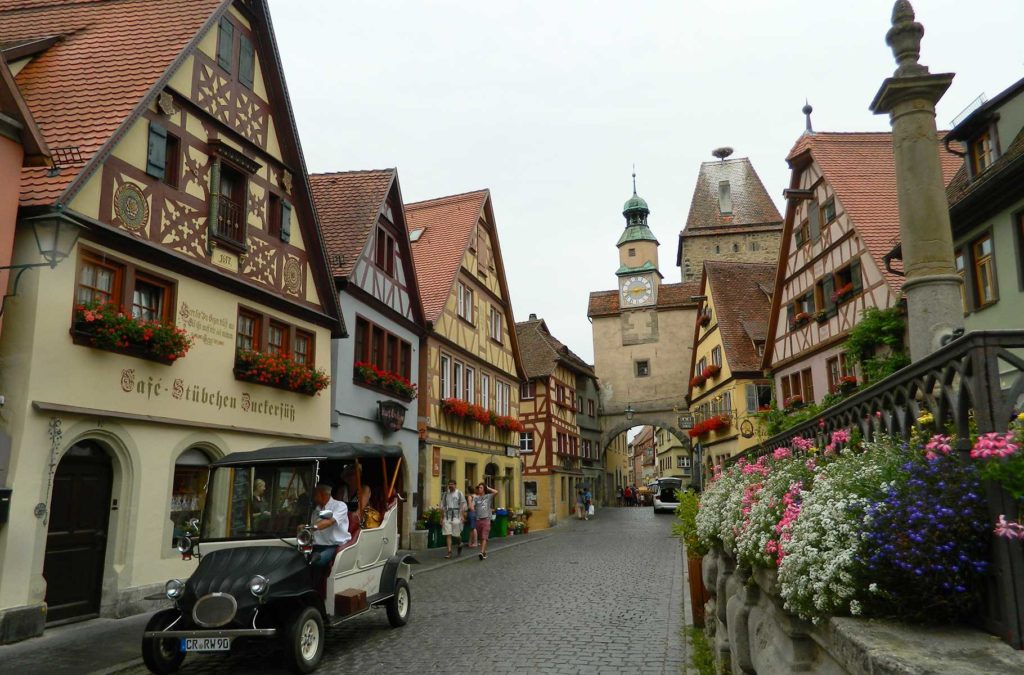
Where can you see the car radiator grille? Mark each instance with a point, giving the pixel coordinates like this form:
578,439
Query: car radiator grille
215,609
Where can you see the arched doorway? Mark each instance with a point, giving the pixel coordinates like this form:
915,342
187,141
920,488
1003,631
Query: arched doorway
76,542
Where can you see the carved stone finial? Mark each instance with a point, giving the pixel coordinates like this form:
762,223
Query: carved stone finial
905,39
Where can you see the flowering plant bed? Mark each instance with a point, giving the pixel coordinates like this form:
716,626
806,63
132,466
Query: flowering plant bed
799,319
281,371
716,423
847,383
107,327
843,292
698,380
508,423
392,383
821,316
793,402
455,407
710,371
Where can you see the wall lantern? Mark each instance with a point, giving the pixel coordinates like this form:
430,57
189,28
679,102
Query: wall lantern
56,235
629,412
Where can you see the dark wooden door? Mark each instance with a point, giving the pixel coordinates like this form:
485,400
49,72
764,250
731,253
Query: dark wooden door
76,543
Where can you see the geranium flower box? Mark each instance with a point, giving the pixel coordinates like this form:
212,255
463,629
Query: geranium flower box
383,381
280,371
112,329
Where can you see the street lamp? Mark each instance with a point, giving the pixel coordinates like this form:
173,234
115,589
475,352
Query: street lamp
55,235
628,412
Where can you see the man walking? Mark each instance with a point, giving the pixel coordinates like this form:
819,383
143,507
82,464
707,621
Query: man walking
483,501
453,508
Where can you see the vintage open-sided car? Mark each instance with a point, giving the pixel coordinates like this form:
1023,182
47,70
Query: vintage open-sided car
254,579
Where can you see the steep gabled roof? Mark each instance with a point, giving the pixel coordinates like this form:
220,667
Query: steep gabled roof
542,352
109,55
606,303
751,204
446,223
12,105
348,204
862,172
742,309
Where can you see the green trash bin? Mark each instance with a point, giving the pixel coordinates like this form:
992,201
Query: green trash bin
434,536
500,527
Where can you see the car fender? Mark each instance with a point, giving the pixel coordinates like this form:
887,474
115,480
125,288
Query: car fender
393,570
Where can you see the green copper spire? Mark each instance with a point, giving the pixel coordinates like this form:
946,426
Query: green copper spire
635,212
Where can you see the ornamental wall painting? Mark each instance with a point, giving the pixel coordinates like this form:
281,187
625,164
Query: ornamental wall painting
196,178
261,261
130,205
230,102
257,206
183,228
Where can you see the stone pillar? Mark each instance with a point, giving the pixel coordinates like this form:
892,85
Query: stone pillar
932,285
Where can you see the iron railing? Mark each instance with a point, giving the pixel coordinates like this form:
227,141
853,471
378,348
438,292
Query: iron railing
229,220
976,379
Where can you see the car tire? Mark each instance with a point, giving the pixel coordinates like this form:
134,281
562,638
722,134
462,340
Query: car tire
306,640
162,655
400,604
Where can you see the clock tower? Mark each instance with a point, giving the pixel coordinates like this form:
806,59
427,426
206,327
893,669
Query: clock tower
638,273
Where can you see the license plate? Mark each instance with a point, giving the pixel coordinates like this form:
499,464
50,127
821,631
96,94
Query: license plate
206,644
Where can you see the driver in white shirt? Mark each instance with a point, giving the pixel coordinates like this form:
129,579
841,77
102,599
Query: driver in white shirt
329,533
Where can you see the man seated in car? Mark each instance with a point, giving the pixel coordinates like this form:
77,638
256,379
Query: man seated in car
330,532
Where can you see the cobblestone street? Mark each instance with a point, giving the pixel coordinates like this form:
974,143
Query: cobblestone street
600,596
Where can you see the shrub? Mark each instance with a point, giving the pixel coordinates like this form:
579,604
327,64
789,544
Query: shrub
685,526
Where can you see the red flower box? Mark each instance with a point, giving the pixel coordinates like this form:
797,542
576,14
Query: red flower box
108,327
281,371
711,371
393,383
840,293
698,380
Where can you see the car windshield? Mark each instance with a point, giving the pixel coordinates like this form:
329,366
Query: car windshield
257,501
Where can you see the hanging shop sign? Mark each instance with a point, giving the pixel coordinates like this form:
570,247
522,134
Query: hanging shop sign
390,415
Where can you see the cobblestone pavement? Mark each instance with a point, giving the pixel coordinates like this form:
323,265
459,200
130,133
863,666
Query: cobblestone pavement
599,596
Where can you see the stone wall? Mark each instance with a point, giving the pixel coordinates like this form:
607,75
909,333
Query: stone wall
755,247
751,632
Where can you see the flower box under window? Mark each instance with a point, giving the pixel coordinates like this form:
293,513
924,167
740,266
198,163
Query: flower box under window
107,327
384,381
280,371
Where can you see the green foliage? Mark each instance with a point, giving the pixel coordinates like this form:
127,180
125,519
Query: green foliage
775,421
685,526
876,329
880,367
701,654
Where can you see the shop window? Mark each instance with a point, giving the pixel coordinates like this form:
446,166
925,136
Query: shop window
188,491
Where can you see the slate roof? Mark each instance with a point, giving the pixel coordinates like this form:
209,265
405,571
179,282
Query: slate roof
437,254
861,170
606,303
348,204
108,57
542,352
751,204
742,309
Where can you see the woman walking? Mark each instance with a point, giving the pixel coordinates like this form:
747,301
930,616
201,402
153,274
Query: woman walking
483,503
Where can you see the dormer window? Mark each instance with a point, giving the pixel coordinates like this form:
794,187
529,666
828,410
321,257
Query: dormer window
384,253
981,153
724,198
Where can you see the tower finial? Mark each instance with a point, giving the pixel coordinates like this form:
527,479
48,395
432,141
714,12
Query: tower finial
905,39
634,178
807,110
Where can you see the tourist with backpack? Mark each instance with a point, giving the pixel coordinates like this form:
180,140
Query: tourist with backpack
453,508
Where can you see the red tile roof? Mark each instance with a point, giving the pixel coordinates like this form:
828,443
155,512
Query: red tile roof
751,204
542,352
742,308
606,303
348,204
109,57
861,170
437,254
961,187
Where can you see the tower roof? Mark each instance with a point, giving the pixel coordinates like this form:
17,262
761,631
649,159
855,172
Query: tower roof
748,201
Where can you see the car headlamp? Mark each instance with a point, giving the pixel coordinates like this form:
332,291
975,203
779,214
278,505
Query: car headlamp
174,588
259,585
304,538
185,545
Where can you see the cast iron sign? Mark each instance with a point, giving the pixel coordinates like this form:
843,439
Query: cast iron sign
391,415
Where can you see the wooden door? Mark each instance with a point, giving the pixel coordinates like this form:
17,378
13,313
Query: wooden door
76,543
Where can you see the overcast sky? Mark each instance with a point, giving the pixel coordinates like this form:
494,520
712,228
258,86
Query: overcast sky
549,103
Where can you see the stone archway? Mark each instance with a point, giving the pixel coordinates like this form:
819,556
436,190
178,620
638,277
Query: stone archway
613,425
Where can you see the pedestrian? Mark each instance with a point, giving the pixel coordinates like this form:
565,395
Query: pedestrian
588,504
581,506
453,507
483,502
628,493
618,496
471,516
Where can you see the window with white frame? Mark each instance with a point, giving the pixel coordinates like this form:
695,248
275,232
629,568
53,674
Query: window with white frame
502,395
465,302
716,356
527,390
456,379
526,441
495,324
446,376
485,391
470,384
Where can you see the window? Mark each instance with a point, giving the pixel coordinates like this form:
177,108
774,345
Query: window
530,490
273,215
384,253
188,491
470,384
246,61
526,441
701,365
716,356
248,336
981,153
960,263
727,403
718,249
485,391
759,396
162,155
724,198
631,252
231,206
591,408
277,338
579,404
495,324
735,248
828,211
984,271
303,352
456,379
802,234
643,368
754,246
225,44
527,390
465,302
798,384
502,394
808,386
446,382
585,448
379,347
560,393
104,280
837,368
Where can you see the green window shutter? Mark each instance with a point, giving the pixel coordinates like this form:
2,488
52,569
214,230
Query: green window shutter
246,62
286,221
813,220
855,275
225,44
828,287
156,155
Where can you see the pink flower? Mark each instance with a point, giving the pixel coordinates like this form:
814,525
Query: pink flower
993,445
801,443
878,414
782,453
938,444
840,436
821,423
1009,529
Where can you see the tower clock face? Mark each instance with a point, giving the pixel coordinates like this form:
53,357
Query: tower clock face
637,291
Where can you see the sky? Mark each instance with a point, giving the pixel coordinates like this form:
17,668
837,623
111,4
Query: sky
549,104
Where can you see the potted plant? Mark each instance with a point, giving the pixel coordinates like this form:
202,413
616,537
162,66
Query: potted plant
847,384
105,326
794,402
432,518
821,316
710,371
281,371
393,383
842,293
685,528
799,319
698,380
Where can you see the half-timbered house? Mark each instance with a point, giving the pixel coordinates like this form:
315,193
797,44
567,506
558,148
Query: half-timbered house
376,370
557,459
727,387
197,279
841,221
470,368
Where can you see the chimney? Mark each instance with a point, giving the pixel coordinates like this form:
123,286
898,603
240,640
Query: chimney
533,317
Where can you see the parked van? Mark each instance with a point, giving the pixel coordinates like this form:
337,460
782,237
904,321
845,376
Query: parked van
664,493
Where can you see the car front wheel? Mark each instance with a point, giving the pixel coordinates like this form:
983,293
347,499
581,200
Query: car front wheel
162,655
306,640
399,605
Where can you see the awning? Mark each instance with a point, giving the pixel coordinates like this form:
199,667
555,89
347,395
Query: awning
339,451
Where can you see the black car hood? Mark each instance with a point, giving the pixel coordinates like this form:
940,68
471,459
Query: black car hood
229,571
